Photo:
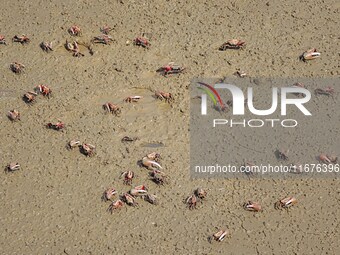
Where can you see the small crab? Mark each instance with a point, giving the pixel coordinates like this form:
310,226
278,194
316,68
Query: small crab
129,139
105,39
200,193
220,235
328,159
74,30
310,54
115,205
12,167
170,68
74,47
45,46
164,96
44,90
285,203
17,67
129,199
112,108
232,44
158,177
240,73
88,149
2,40
29,97
56,126
109,194
283,155
329,91
142,41
73,144
150,164
152,199
23,39
131,99
106,29
154,156
191,201
128,176
138,191
13,115
298,85
252,206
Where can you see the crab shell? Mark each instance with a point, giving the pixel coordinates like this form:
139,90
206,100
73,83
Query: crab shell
13,167
236,42
46,46
252,206
129,199
21,39
128,175
154,156
74,30
142,41
74,143
2,40
109,193
288,202
327,159
191,201
17,67
158,178
106,29
310,54
152,199
132,99
13,115
115,205
232,44
29,97
69,46
102,39
138,191
88,149
283,155
112,108
44,90
59,125
200,193
220,235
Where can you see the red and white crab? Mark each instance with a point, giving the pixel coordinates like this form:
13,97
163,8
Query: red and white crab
23,39
171,68
56,126
232,44
74,30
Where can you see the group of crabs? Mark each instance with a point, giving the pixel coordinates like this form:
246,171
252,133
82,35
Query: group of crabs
150,161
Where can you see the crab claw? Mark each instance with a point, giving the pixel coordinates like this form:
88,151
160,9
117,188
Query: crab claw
310,54
152,165
109,194
220,235
138,191
252,206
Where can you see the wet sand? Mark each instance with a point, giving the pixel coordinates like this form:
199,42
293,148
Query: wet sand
53,204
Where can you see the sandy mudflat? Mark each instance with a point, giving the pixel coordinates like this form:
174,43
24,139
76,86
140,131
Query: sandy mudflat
53,204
